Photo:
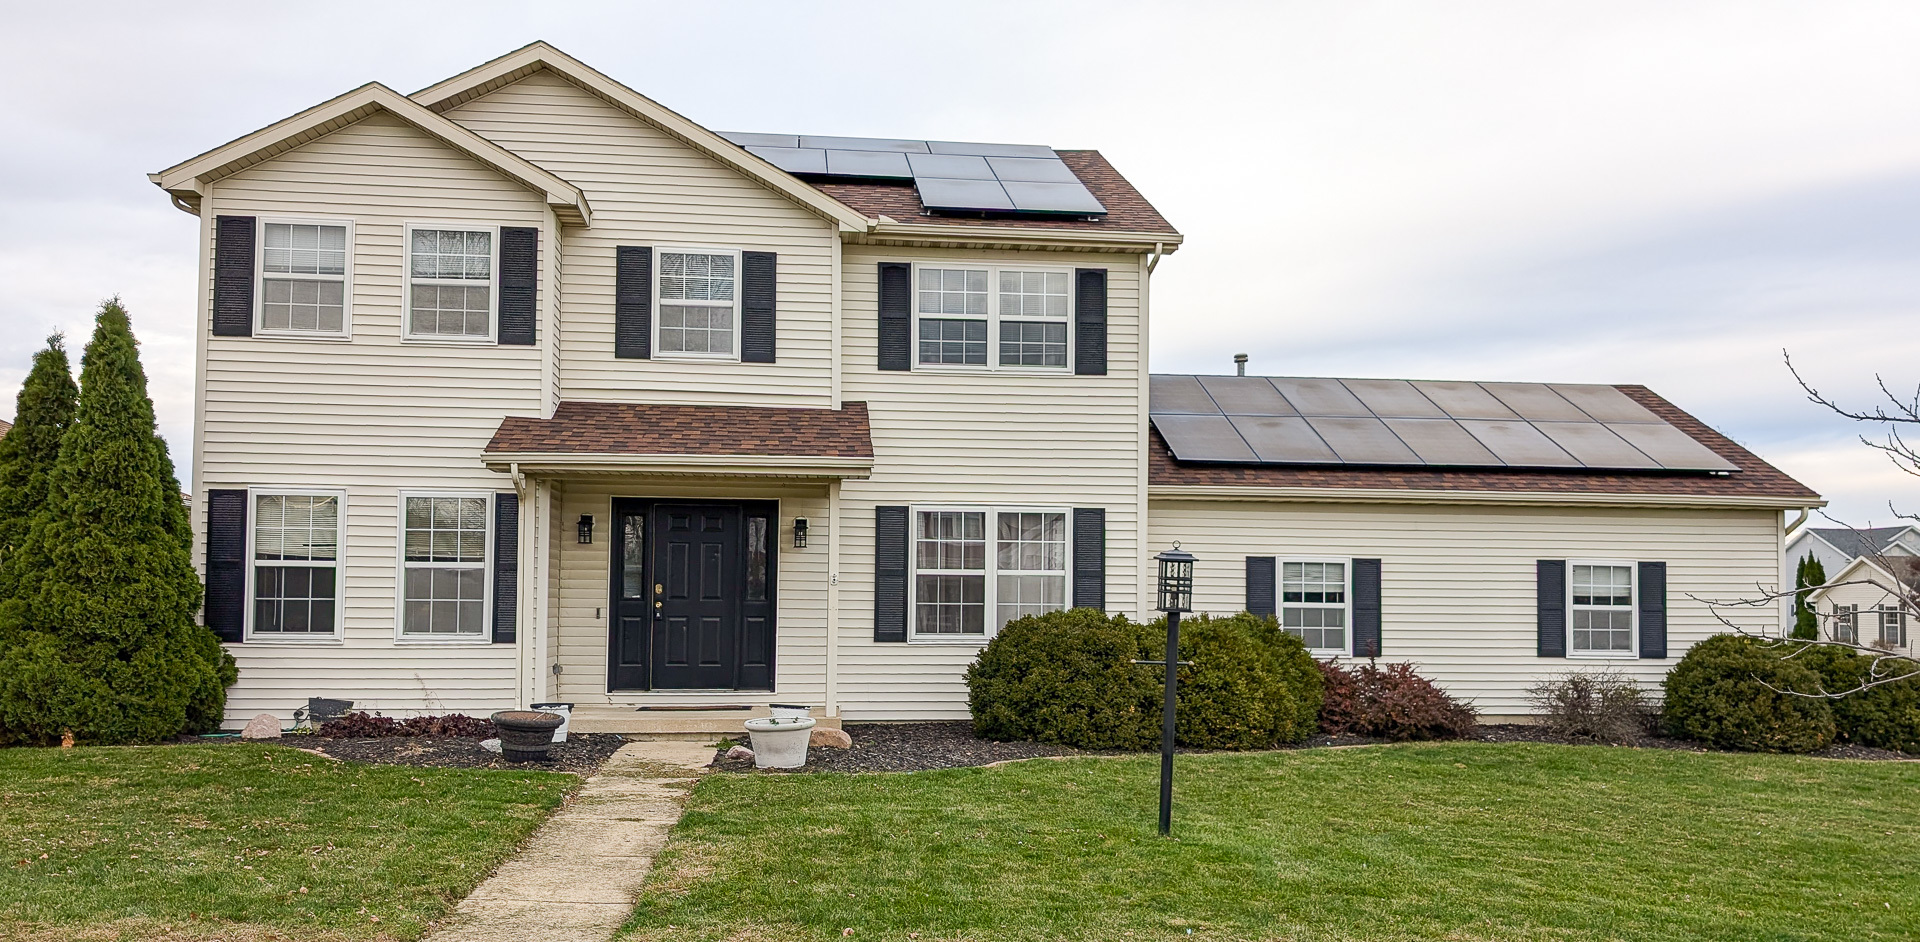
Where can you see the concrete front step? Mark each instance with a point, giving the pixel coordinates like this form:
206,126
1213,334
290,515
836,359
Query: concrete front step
673,724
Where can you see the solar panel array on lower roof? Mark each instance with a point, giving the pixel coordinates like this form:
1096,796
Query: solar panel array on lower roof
953,176
1397,423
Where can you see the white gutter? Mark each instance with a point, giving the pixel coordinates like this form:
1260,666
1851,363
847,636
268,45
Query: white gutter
1797,521
760,466
1387,495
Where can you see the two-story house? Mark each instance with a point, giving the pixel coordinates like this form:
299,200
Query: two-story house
524,388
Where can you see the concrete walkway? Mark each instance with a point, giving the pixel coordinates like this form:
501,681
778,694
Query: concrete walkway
576,879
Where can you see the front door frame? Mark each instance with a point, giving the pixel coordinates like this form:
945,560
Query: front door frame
645,509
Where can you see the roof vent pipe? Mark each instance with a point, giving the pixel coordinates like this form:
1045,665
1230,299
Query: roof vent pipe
1240,364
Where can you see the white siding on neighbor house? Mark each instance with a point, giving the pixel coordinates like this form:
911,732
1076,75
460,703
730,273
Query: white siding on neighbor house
981,438
581,594
1458,596
1868,589
373,415
649,188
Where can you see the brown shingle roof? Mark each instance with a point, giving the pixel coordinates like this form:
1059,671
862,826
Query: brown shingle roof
1127,210
629,428
1755,478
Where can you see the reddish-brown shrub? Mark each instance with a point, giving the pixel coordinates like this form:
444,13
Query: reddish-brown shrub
360,725
1389,702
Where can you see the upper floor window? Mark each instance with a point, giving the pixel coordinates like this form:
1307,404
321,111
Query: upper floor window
977,569
303,278
698,304
1846,624
1602,611
1893,626
992,318
451,282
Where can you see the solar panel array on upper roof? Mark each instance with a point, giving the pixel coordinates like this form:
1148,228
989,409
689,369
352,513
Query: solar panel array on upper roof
1391,422
960,177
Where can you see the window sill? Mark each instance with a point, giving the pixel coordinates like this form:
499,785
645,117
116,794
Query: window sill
480,640
262,334
1603,655
451,341
950,370
951,642
694,358
266,640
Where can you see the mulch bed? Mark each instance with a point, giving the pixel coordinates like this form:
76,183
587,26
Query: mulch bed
1514,732
582,753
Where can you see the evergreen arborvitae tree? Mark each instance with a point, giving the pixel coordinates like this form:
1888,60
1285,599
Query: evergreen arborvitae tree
107,643
1810,574
27,453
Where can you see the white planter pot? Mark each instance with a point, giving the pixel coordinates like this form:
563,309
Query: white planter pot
780,743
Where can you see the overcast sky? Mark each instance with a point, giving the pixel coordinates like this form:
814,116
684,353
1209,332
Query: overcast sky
1660,193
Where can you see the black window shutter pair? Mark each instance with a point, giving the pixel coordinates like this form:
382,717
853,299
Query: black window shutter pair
633,304
226,606
1550,595
1262,600
1089,319
890,544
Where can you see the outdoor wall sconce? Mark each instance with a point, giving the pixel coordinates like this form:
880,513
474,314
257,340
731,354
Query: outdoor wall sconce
799,533
586,528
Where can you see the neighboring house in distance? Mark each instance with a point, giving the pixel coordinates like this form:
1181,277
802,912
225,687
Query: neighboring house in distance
1870,601
1837,547
524,388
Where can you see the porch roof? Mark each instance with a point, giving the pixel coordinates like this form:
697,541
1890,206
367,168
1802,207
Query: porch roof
651,438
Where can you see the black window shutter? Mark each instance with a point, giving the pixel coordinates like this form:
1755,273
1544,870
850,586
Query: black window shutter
1550,585
1260,600
1366,608
506,566
896,316
758,288
633,302
889,573
519,273
1653,610
1090,557
226,610
1090,321
233,277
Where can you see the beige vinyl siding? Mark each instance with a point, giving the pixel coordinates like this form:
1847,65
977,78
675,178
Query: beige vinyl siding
1458,583
648,188
372,415
582,593
980,438
1868,589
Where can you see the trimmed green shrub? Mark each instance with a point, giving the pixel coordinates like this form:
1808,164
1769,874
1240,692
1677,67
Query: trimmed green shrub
1886,716
1807,576
1390,702
1068,678
107,643
1732,691
1251,685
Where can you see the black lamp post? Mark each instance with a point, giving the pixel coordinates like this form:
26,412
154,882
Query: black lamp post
1176,596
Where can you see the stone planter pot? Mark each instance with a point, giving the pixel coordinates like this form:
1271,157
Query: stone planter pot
780,742
525,735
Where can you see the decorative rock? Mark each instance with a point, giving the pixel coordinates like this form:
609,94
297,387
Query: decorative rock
264,726
830,738
740,752
491,745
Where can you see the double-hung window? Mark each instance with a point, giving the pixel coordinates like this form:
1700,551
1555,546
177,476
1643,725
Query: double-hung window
1846,624
992,318
975,569
1313,604
1893,626
451,282
1601,614
444,567
295,554
699,304
303,278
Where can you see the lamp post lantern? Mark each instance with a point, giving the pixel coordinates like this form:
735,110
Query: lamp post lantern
1176,596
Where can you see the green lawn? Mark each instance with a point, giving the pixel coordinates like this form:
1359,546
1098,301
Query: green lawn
1457,842
247,842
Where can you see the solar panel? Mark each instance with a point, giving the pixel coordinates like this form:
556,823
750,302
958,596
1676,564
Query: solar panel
747,139
1464,400
1442,442
1053,198
1283,439
990,150
983,195
1606,404
1179,394
868,163
1393,397
1203,438
950,166
1031,170
792,159
1243,395
1536,403
864,143
1320,397
1595,446
1519,444
1674,449
1363,441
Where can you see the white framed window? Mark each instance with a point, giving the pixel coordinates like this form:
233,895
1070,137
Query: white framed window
986,317
452,281
697,304
977,568
293,552
1893,626
1846,624
1316,603
445,540
1600,613
306,277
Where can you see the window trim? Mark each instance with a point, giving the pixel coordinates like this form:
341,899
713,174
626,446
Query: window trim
993,317
260,281
739,280
1633,611
1899,615
406,285
991,573
339,632
1280,605
400,635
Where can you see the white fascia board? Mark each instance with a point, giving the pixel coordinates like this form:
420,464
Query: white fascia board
892,232
778,466
1383,495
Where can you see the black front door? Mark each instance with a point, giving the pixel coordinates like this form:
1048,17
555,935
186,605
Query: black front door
692,586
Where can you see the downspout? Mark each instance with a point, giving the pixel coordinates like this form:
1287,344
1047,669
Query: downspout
522,694
1154,261
1797,521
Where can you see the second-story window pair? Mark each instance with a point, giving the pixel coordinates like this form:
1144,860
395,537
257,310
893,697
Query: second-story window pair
993,317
